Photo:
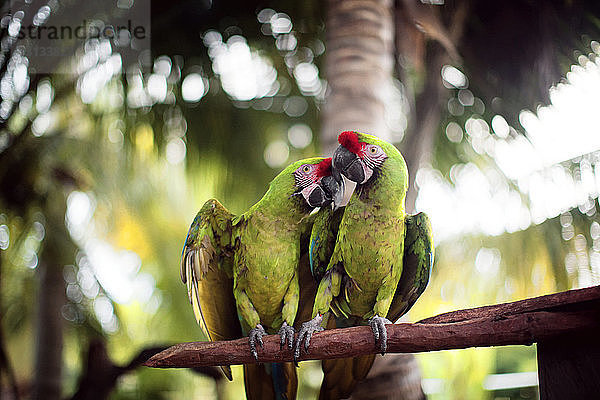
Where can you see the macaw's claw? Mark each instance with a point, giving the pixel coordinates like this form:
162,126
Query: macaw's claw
306,332
286,333
255,336
377,324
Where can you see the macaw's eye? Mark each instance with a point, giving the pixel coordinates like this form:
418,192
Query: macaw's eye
304,175
373,150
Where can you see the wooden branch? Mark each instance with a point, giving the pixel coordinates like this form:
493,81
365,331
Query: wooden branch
550,302
519,323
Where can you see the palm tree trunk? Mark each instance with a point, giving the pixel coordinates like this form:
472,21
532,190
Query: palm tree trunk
359,65
393,376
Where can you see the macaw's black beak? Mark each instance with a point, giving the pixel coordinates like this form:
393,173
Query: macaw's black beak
317,197
349,164
333,185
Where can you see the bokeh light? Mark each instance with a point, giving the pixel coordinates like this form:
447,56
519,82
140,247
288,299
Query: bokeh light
560,138
4,237
280,23
44,96
453,77
175,151
244,73
307,76
193,87
500,126
295,106
276,153
157,87
454,132
300,135
43,123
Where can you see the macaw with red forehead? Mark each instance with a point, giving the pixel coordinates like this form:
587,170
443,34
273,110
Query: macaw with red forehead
243,272
378,259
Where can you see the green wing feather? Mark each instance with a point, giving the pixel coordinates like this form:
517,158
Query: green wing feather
417,264
322,239
307,283
206,269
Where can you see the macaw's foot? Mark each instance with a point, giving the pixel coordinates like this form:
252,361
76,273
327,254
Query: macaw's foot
286,333
377,324
255,336
306,332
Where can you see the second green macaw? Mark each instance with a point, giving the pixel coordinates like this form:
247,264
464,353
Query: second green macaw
243,272
373,260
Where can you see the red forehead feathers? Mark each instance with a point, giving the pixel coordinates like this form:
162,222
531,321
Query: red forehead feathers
349,140
324,167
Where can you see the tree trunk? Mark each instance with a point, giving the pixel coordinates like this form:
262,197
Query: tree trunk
47,382
419,137
358,67
423,46
49,333
396,376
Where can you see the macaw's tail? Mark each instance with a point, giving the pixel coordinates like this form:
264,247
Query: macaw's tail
342,375
270,381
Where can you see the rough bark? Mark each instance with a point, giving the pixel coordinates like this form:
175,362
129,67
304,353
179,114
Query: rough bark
519,323
358,66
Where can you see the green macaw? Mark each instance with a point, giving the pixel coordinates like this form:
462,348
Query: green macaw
242,272
373,260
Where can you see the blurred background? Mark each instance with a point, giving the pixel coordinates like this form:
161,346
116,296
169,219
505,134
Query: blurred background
110,143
